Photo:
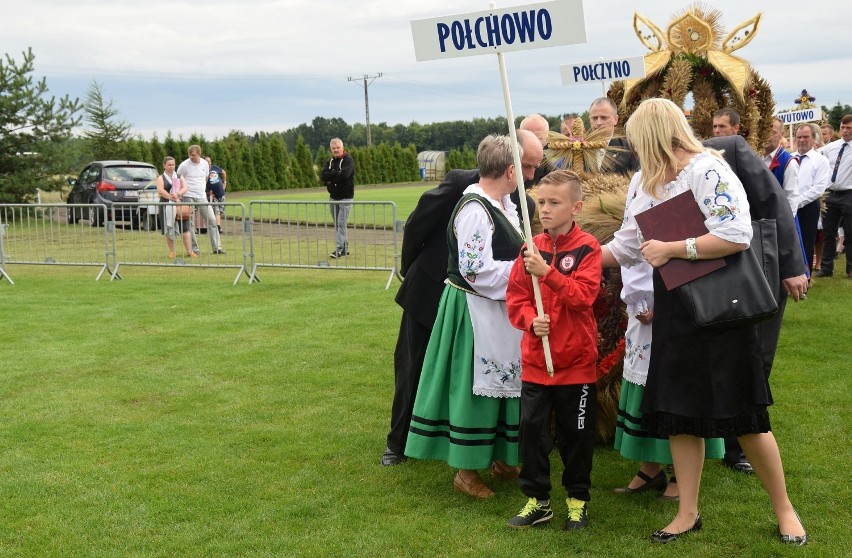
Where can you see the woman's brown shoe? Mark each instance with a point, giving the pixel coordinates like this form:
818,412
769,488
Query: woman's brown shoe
475,487
501,471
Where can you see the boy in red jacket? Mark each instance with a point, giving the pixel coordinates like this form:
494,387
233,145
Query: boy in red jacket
567,262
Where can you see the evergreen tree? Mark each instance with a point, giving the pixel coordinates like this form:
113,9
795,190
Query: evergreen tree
158,152
461,159
136,149
248,178
305,164
323,155
217,151
172,147
363,172
406,158
357,137
106,135
263,163
195,139
384,158
371,176
34,132
836,114
132,151
182,148
281,162
228,155
145,151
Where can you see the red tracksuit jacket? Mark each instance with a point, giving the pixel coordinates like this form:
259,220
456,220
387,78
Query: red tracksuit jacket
568,291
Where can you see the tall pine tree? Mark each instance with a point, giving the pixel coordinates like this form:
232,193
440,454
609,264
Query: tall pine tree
305,164
34,132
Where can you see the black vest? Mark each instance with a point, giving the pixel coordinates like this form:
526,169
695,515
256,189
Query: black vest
505,244
167,186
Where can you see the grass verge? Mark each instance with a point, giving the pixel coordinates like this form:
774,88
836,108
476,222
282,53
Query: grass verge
172,415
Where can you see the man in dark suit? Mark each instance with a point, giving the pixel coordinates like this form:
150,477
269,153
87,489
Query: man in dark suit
423,264
603,114
766,201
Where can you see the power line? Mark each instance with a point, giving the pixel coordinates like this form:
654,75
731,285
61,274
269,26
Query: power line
51,69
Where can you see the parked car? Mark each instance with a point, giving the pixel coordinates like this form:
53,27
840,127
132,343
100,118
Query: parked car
149,212
108,183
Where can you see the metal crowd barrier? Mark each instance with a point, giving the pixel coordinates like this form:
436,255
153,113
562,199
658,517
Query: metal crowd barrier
141,240
274,234
43,234
301,234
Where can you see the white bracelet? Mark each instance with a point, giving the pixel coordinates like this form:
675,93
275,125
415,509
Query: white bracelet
691,251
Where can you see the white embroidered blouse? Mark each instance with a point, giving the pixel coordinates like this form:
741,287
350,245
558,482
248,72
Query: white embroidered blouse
718,193
474,233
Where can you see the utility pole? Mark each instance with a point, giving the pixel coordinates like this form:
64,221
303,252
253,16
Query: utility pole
367,81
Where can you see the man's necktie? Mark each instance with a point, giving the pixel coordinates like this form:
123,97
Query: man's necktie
799,158
837,163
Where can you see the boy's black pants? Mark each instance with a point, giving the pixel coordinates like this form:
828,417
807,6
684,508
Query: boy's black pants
576,410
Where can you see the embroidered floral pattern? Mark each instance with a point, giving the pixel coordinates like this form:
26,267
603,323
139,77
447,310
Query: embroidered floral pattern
506,372
635,351
721,204
470,257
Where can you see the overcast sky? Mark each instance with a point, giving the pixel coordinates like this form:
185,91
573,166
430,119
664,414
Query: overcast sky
252,65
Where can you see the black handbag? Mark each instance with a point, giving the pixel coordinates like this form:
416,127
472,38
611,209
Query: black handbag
743,292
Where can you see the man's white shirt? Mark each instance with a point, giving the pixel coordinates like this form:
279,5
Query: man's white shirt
814,175
195,175
843,181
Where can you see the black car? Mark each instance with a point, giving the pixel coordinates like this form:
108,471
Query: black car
108,183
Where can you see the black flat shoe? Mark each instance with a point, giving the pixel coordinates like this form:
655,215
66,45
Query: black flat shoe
390,458
798,540
664,537
658,482
741,464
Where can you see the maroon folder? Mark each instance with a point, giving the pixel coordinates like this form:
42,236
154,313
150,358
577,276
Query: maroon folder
675,219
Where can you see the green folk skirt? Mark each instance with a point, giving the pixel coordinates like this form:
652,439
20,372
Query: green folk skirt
633,442
449,423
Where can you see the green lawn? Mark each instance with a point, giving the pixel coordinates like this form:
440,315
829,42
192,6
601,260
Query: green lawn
404,195
171,414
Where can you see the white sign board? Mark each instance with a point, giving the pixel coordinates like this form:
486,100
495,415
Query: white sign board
603,70
800,116
545,24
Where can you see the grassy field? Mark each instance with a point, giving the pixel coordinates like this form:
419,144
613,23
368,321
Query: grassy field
170,414
405,195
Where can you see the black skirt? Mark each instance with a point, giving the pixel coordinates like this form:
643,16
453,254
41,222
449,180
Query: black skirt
702,382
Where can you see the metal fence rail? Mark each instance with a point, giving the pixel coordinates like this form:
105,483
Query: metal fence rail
274,234
141,241
301,234
42,234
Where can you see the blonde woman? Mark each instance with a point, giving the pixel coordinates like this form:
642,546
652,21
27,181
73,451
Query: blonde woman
700,384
